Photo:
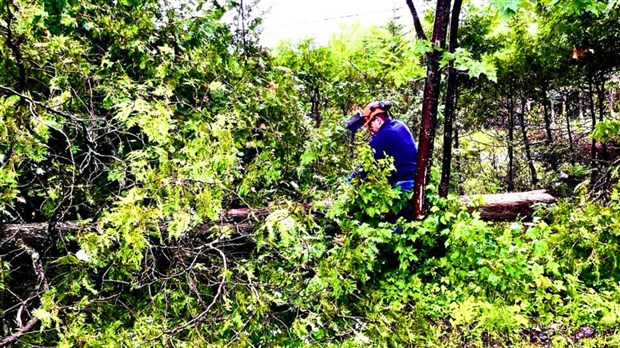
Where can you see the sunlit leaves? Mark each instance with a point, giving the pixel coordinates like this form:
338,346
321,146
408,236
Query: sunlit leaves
606,130
463,61
507,7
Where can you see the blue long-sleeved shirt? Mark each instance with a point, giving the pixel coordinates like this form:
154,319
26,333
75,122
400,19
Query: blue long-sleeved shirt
394,139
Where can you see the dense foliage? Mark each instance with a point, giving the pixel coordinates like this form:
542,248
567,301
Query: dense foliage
146,121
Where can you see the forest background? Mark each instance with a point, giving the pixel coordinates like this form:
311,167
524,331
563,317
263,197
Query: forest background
131,129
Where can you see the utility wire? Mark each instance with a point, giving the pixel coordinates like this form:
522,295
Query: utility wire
334,18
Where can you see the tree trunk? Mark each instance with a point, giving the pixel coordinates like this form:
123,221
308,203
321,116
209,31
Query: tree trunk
494,207
429,106
593,154
526,143
451,101
434,124
511,125
549,135
603,182
457,164
582,107
571,146
545,103
508,206
315,105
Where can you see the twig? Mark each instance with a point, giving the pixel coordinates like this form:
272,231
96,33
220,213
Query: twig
200,316
37,265
44,106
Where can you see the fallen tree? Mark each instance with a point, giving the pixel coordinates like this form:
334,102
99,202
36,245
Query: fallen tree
492,207
507,206
36,240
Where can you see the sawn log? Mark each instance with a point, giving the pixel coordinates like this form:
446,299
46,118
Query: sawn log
493,207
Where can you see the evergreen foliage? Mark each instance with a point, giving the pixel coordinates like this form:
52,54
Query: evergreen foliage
147,120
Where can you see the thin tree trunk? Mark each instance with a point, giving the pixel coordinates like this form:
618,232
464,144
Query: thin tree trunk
429,106
416,21
549,135
511,122
581,106
545,103
526,143
451,101
434,124
600,89
604,157
567,113
593,154
315,105
457,164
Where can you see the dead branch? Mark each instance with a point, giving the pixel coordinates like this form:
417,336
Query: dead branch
37,265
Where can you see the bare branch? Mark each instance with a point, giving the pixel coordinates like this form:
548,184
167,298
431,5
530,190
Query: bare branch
199,317
44,106
416,21
37,265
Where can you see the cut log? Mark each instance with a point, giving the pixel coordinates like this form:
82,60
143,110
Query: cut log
494,207
508,206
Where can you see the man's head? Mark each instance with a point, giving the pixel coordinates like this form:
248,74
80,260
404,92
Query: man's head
375,114
371,117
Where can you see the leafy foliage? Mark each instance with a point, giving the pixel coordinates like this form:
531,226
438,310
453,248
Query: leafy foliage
147,121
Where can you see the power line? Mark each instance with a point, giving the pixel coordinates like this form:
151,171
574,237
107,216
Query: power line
333,18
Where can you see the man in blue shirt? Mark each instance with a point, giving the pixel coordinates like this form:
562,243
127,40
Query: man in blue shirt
389,138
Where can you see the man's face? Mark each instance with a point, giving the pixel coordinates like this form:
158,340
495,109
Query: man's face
375,124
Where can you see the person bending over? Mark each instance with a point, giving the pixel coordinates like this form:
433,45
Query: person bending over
390,137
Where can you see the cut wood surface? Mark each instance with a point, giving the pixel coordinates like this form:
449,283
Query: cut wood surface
493,207
508,206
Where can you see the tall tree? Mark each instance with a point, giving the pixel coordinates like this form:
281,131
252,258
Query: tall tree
451,101
430,103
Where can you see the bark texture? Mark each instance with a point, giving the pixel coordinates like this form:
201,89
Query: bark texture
451,101
430,103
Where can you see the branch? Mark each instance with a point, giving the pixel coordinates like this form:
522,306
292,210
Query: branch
37,265
15,48
220,288
358,70
206,310
44,106
416,21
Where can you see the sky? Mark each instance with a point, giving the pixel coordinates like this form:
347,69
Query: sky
297,19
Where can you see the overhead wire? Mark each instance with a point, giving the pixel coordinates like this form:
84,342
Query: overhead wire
327,19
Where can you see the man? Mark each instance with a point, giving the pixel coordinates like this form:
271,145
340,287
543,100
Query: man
389,138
